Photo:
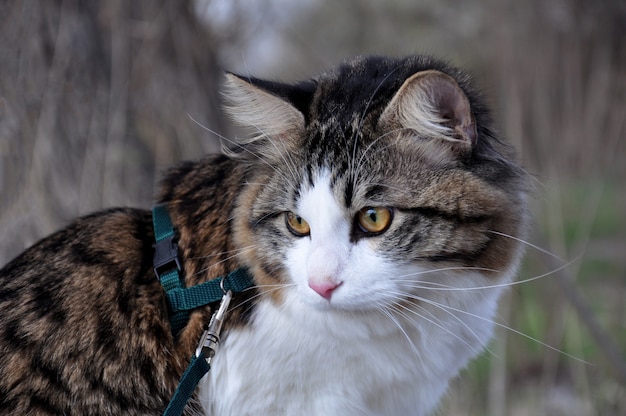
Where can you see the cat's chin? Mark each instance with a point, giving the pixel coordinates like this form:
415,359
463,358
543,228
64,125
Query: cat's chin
337,304
330,306
340,319
322,305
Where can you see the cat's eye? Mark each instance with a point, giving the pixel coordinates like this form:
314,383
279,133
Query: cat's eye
297,225
374,220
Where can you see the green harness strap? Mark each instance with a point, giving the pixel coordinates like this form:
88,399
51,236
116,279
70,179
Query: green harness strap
197,368
181,300
166,264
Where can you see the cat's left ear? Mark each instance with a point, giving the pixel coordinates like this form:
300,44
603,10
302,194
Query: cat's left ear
268,115
432,105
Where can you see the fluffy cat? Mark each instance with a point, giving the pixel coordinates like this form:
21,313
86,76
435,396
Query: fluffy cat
374,207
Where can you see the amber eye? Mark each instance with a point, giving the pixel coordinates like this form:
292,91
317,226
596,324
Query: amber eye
374,220
297,225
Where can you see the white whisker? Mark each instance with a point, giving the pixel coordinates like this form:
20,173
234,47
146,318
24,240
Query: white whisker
245,149
450,268
508,328
526,243
438,325
232,256
272,288
358,165
290,166
442,287
389,315
230,252
354,171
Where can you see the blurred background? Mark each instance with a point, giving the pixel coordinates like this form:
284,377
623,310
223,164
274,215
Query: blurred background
96,98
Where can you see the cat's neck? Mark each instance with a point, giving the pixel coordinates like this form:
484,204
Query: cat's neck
343,358
200,197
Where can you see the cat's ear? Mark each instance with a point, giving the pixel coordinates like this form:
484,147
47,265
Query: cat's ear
433,105
267,114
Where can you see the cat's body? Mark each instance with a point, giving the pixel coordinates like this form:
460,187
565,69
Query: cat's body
371,197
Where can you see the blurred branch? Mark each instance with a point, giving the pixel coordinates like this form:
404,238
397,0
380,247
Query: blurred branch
94,100
587,316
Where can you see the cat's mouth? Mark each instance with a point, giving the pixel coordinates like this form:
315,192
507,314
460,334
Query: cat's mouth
341,301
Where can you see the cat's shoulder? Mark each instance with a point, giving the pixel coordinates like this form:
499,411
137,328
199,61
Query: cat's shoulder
112,239
201,178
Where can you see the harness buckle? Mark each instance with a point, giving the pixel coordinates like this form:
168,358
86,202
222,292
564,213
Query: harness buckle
165,256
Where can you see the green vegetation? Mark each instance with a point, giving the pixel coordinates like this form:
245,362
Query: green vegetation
580,370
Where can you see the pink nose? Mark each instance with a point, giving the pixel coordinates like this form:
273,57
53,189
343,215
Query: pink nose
324,289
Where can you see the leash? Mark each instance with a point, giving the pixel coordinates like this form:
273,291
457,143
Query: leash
181,300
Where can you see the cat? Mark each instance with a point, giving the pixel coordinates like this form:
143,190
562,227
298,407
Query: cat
379,216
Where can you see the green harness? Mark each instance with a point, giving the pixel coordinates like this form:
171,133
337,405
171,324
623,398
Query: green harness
181,300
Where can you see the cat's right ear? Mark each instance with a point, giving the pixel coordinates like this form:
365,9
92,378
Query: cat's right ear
270,117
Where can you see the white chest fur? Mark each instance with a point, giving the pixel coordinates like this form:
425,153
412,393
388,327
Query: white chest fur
387,342
297,360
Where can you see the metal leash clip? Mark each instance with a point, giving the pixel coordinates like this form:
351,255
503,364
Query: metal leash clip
210,340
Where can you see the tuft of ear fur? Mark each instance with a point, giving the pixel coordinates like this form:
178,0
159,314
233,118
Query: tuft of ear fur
270,117
433,105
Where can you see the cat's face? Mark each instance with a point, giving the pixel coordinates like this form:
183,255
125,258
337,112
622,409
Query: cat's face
367,191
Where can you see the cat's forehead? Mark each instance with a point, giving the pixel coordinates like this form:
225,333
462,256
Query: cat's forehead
364,86
346,96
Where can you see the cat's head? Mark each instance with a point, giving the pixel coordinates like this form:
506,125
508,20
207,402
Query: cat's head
372,183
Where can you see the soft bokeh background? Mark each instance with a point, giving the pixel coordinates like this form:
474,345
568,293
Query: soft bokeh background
97,97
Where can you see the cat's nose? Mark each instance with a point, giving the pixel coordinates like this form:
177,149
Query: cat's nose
325,288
